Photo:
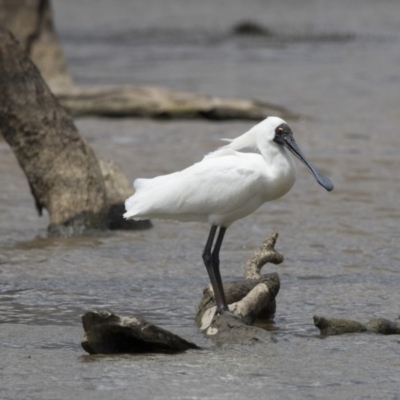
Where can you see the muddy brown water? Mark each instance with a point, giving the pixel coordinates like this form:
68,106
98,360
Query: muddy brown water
336,63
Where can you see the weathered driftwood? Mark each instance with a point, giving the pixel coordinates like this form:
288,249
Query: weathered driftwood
249,299
31,22
266,253
158,102
339,326
62,170
107,333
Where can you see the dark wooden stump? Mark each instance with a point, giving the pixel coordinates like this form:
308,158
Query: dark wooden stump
107,333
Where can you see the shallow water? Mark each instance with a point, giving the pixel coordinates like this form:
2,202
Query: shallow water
336,63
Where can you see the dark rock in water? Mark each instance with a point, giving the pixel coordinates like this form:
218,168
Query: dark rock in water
250,28
339,326
108,333
383,326
227,329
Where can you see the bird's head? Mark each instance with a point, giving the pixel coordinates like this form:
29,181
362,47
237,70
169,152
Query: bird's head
277,132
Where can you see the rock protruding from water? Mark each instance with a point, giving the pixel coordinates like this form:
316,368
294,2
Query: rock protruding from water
339,326
108,333
231,330
248,300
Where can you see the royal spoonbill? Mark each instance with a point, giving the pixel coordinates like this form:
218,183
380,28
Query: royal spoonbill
226,185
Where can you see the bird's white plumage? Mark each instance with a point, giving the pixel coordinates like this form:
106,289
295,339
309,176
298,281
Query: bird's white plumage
228,184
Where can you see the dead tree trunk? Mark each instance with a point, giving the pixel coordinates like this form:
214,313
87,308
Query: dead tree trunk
62,170
31,21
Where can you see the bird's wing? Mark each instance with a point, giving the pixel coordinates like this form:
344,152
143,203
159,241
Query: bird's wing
215,185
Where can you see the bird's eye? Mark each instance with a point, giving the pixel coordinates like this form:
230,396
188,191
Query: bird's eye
282,130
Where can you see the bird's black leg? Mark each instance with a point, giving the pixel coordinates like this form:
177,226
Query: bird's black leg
211,261
221,304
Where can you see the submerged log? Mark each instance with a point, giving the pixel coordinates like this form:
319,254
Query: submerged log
63,172
339,326
158,102
248,300
107,333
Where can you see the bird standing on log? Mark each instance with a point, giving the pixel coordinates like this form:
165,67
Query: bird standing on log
228,184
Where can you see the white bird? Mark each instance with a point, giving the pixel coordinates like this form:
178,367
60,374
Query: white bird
228,184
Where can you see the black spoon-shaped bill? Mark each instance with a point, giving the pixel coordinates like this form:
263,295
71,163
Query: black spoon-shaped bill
291,144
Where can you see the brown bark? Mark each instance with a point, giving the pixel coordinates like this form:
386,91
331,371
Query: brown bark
62,169
31,22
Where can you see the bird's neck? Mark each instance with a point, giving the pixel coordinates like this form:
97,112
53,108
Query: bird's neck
275,154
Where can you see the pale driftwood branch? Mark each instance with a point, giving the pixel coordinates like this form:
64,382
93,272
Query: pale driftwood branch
266,253
107,333
236,293
339,326
247,309
158,102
